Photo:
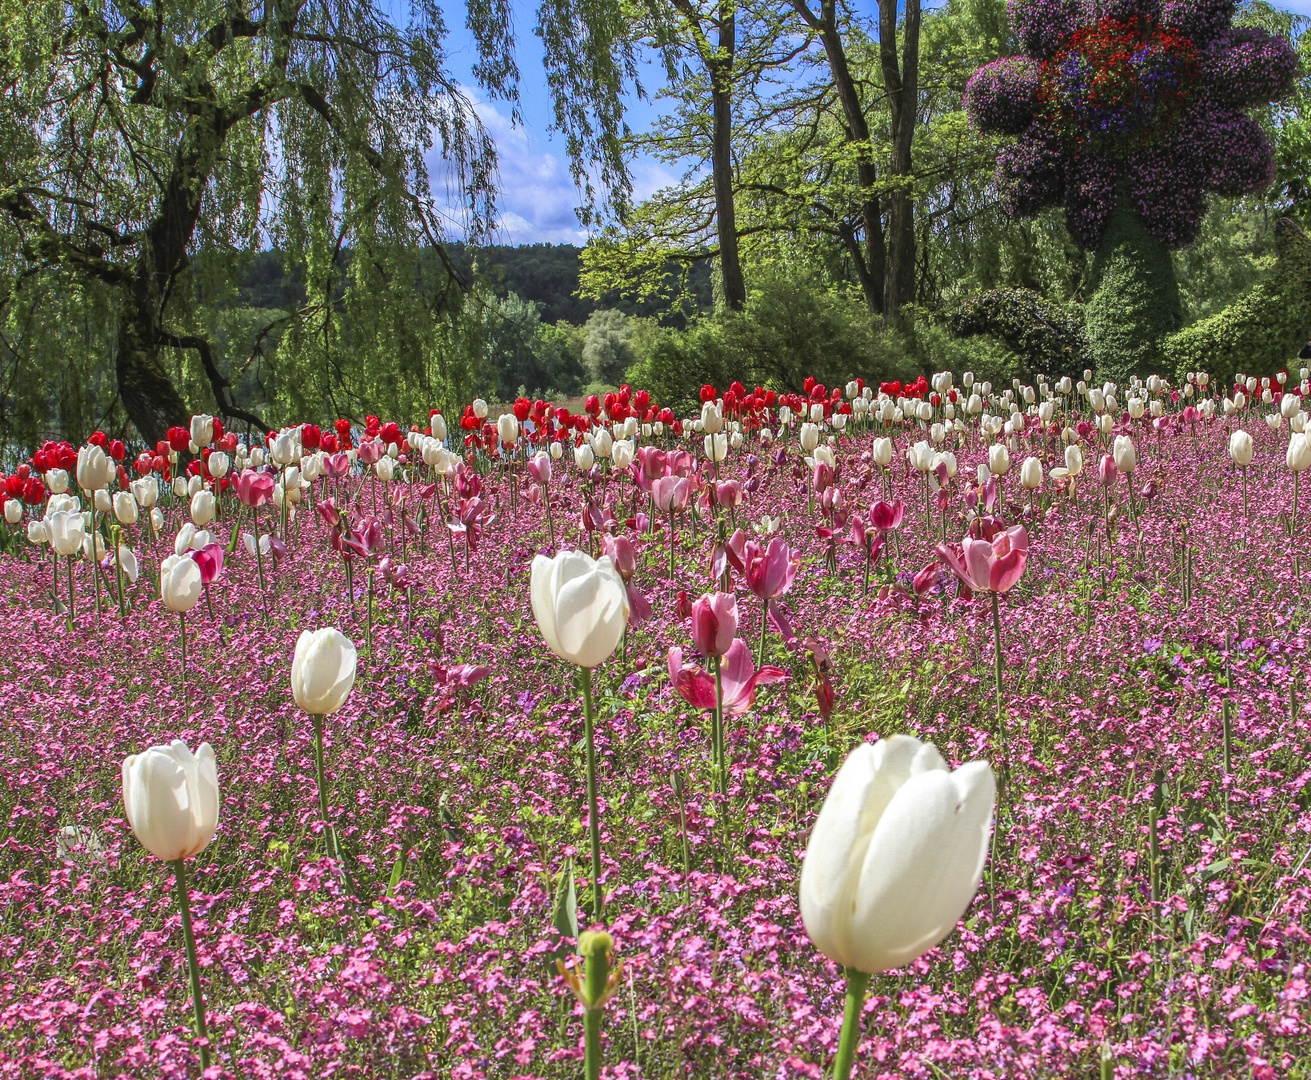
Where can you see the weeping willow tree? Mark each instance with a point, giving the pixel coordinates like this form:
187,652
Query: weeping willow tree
147,147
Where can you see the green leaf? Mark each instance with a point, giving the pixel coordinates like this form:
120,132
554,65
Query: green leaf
397,872
565,918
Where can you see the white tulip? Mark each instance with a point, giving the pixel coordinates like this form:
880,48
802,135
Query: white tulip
218,464
580,604
125,508
712,421
66,530
1031,473
322,670
1298,455
507,427
202,429
621,454
480,408
94,468
809,437
37,532
1073,460
896,854
999,459
57,481
179,583
883,452
203,508
584,458
1126,457
171,799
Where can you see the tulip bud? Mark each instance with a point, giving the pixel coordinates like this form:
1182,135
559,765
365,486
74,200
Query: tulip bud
883,452
480,408
809,437
584,458
57,481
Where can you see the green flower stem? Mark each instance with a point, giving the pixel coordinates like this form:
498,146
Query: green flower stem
94,527
592,1048
717,733
764,627
996,649
857,983
334,849
593,811
70,592
189,937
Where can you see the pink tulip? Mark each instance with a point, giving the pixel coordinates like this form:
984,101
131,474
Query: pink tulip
821,476
210,560
982,566
887,516
622,554
714,623
462,675
337,466
1106,470
729,493
737,675
771,570
539,468
254,488
670,493
371,452
650,466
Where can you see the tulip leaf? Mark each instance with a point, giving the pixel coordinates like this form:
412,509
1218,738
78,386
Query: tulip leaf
396,873
565,918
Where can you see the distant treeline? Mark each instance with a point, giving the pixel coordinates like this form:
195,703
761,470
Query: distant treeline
542,274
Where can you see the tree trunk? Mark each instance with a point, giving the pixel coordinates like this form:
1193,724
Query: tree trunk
148,394
902,84
721,159
870,267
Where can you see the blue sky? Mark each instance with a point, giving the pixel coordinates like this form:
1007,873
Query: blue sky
537,194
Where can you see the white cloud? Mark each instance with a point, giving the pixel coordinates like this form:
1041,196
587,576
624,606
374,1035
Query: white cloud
537,195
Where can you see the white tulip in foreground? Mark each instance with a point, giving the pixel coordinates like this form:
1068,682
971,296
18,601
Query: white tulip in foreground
322,674
322,670
171,798
894,860
581,608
